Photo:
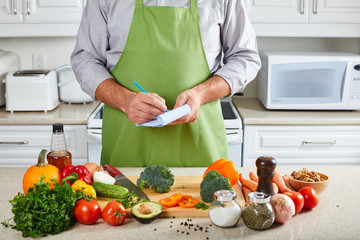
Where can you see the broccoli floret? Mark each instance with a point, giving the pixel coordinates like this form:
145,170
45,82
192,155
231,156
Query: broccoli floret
213,182
156,176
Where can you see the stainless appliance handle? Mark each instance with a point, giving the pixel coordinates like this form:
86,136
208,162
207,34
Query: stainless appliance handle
14,5
315,6
28,7
96,137
333,142
10,142
302,6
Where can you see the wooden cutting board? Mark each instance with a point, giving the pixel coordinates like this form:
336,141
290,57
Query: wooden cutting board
187,185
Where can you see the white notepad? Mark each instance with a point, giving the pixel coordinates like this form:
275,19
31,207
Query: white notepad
167,117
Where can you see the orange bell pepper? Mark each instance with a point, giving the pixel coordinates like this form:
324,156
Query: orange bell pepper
226,168
171,201
188,203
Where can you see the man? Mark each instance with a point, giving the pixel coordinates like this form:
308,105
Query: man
173,50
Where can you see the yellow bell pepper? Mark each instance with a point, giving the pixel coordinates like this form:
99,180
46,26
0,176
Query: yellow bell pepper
80,185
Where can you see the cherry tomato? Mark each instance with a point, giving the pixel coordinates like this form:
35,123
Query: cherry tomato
311,199
298,200
114,213
87,212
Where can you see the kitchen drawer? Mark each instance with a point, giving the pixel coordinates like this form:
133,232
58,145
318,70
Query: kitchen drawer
302,144
20,145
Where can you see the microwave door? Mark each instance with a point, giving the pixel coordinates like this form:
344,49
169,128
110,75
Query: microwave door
307,85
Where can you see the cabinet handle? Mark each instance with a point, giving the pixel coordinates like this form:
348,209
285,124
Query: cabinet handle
315,6
28,7
20,142
14,5
333,142
302,6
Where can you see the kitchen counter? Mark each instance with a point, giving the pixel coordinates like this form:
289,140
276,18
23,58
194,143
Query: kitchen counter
252,112
72,114
336,216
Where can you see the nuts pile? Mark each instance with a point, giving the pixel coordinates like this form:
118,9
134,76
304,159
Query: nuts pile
307,176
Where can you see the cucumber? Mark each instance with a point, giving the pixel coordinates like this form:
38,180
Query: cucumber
110,191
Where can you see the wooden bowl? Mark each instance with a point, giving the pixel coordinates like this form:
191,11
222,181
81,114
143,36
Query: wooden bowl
318,186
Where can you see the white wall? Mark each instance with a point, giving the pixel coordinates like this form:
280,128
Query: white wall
58,50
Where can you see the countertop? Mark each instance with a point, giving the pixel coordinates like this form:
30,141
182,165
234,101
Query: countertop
336,216
72,114
252,112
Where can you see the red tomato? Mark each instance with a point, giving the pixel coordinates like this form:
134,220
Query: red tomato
114,213
298,200
87,212
311,199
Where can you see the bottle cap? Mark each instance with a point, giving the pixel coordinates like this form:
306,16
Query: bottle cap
58,127
225,195
259,197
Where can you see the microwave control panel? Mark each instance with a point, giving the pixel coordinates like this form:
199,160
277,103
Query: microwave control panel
355,88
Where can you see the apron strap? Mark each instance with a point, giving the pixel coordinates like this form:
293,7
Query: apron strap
139,3
194,5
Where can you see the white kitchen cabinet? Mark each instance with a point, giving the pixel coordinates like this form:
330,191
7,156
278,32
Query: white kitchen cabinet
302,145
305,18
9,12
20,145
40,17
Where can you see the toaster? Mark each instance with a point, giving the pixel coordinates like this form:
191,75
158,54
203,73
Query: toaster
8,62
31,90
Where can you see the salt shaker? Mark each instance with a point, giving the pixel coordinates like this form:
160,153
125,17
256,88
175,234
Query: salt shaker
265,171
225,211
258,214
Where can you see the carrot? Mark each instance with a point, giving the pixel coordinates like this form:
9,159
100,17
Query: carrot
253,176
275,188
248,183
287,183
280,182
246,191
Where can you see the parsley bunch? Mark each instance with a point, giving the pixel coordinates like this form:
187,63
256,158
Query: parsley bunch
43,210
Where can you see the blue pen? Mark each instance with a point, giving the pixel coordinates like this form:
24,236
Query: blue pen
142,89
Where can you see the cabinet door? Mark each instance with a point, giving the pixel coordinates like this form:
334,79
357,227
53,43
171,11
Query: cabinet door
20,145
53,11
10,11
300,145
278,11
335,11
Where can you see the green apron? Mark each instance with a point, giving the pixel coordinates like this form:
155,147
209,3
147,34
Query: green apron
164,54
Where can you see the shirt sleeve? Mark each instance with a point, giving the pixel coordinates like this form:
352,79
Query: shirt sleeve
88,59
241,59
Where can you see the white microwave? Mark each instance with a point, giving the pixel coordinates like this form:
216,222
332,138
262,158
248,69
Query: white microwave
309,81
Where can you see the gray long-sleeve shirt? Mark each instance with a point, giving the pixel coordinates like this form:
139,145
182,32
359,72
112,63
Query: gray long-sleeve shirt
224,26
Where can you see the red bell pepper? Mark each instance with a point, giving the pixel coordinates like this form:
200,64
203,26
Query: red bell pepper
72,173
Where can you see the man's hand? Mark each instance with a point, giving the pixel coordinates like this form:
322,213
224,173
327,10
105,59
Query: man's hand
140,107
143,107
193,99
212,89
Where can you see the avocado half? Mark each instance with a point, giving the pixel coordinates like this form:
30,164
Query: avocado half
146,212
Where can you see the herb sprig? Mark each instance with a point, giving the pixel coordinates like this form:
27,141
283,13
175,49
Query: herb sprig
202,206
130,200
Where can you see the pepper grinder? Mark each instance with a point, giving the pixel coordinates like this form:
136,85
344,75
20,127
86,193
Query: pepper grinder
265,171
